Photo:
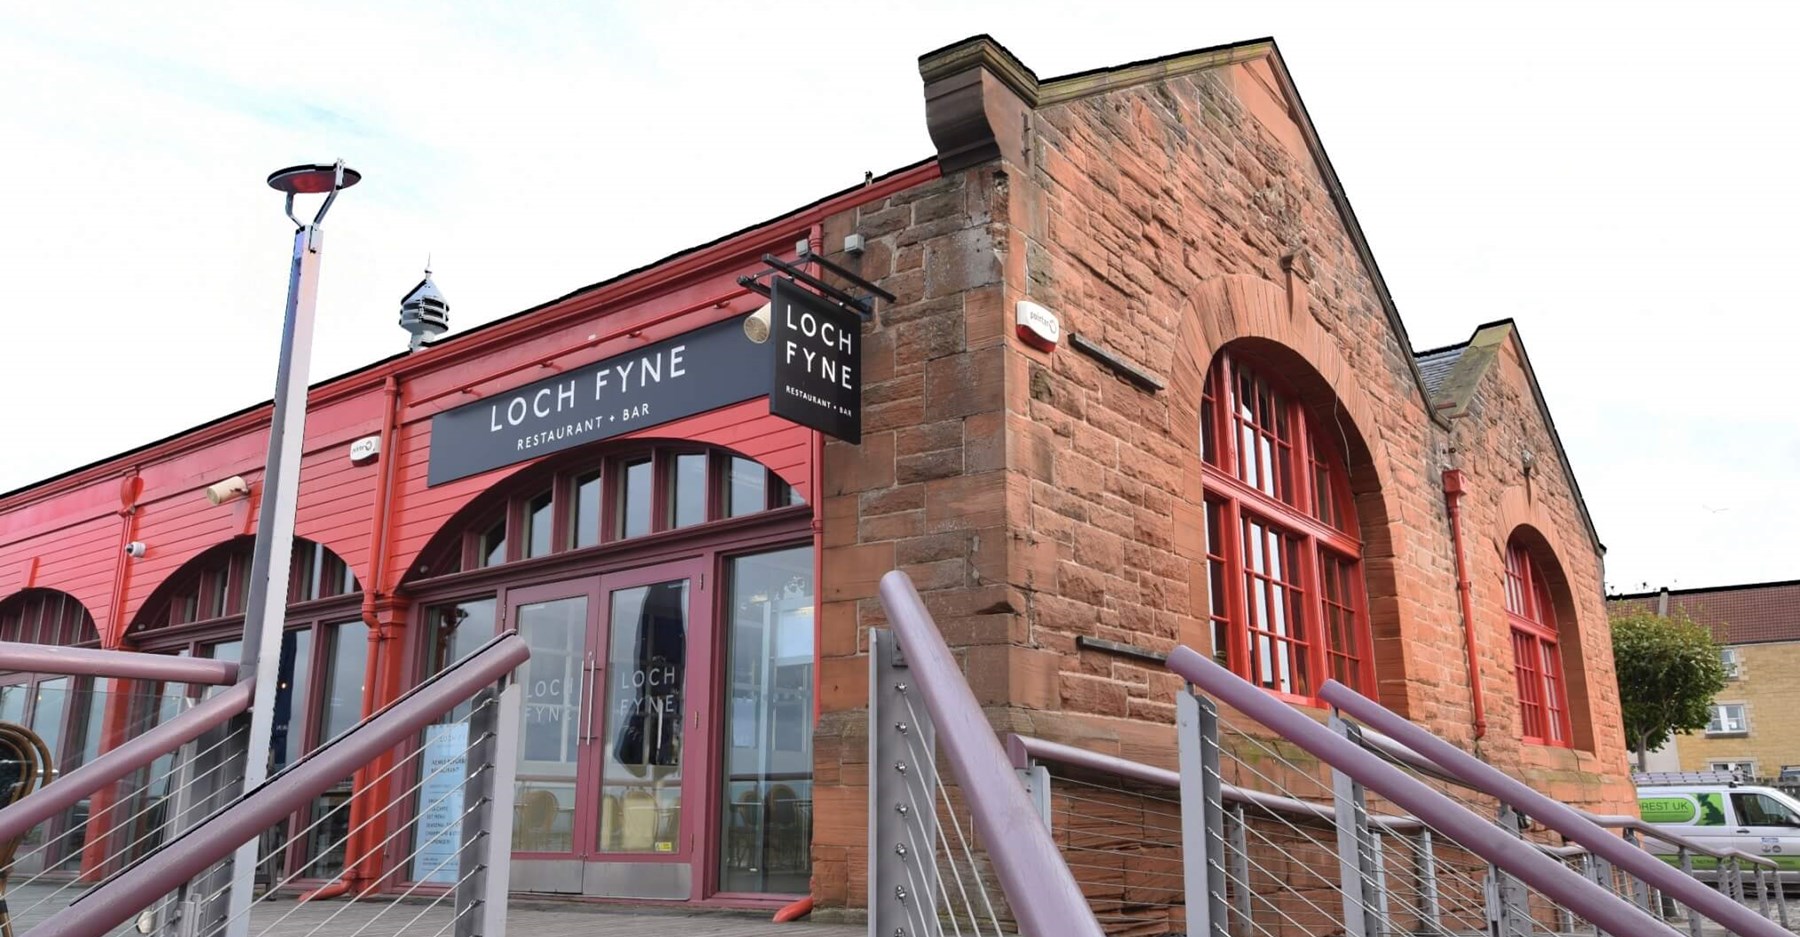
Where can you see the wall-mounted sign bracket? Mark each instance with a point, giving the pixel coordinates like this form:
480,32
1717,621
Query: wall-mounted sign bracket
863,306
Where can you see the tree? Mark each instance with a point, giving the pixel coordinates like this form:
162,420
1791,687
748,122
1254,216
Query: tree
1669,670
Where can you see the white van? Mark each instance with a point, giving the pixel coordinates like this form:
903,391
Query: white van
1761,821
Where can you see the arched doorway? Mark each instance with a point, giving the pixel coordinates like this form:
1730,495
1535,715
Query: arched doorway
666,590
64,711
199,612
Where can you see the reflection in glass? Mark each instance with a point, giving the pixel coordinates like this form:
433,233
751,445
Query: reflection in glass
341,710
690,489
550,737
47,716
491,550
745,491
634,499
287,740
767,842
587,510
537,526
455,631
640,783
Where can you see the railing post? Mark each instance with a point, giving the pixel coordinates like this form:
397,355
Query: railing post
902,824
1508,913
1425,868
1696,928
1762,890
1202,814
1641,888
1355,853
481,896
1239,870
1781,908
1735,883
1037,786
210,774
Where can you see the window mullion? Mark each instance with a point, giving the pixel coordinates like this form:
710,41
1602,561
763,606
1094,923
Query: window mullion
1311,579
1237,603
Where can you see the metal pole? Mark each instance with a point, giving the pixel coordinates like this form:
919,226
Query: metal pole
1354,860
1202,814
1695,926
1428,884
1240,873
265,607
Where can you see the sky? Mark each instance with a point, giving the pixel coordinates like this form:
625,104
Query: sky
1617,178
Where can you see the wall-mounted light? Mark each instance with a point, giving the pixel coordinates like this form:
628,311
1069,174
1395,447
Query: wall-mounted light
230,489
756,328
135,549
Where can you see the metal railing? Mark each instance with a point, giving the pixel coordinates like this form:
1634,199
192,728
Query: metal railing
458,833
947,817
1626,854
1524,884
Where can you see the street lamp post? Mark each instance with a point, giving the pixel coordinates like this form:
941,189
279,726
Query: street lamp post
265,608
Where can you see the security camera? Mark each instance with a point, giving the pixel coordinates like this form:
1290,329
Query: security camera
135,549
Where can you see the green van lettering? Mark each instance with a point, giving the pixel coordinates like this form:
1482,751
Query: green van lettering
1666,809
1712,809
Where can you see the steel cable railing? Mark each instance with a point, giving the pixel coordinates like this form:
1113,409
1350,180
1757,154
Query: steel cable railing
459,822
1637,869
921,706
190,806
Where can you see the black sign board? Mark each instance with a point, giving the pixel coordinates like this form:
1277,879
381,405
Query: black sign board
818,361
701,370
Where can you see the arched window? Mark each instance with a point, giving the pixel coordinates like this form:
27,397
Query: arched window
1537,663
631,493
199,612
64,711
1283,555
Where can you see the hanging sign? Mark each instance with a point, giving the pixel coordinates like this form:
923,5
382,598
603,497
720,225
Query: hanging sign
701,370
818,361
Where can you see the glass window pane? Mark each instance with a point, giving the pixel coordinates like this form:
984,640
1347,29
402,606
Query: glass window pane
454,631
767,841
549,743
47,715
745,491
293,692
490,550
537,526
342,705
640,792
587,510
634,499
690,489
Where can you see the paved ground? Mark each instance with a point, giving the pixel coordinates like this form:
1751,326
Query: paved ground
415,919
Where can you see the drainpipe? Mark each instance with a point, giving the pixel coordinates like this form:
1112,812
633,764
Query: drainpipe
1453,493
114,724
364,802
816,241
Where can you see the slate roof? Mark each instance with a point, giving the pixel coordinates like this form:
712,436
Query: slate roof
1746,614
1435,366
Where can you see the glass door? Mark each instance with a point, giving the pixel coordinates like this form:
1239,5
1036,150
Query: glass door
549,808
646,743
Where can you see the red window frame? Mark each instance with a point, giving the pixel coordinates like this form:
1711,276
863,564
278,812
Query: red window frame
1284,559
1537,656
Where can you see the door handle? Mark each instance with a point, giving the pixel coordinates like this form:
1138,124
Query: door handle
583,719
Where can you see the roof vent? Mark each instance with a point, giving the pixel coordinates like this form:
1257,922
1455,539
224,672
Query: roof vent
424,313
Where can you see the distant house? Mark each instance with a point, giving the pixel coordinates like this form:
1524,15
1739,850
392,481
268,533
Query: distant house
1755,725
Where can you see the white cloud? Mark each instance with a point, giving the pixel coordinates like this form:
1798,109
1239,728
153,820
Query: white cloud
1617,183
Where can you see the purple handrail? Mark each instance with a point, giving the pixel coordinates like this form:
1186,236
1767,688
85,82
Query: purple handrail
1042,892
110,903
1559,817
17,819
93,662
1517,857
1021,749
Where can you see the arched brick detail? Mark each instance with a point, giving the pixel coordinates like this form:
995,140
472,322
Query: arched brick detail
1237,308
1525,518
